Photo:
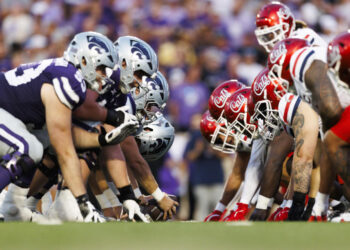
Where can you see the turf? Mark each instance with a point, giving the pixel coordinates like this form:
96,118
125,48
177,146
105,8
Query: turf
175,235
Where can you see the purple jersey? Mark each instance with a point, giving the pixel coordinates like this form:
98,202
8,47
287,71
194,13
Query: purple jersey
20,88
114,98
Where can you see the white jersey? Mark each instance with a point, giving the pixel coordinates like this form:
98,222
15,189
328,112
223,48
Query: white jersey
311,36
299,64
287,107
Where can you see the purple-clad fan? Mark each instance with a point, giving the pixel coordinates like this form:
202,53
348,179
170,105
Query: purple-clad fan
46,93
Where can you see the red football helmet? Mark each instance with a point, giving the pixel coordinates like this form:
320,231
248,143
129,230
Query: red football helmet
338,57
238,118
263,105
279,59
274,22
219,96
216,133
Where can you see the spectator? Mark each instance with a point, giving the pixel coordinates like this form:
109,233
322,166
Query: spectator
206,173
187,99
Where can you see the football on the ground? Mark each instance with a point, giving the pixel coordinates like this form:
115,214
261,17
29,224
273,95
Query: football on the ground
152,211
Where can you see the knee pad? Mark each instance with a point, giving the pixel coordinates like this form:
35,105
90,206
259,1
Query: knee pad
21,168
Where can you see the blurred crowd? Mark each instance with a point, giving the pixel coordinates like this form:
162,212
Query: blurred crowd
200,43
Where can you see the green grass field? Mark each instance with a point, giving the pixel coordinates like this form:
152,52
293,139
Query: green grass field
175,235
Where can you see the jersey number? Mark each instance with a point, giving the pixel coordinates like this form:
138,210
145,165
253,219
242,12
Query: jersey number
19,76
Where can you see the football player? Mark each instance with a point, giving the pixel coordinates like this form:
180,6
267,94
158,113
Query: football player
46,93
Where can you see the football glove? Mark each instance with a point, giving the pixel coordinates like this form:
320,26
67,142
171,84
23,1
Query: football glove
90,214
238,214
297,209
259,215
118,134
213,216
134,209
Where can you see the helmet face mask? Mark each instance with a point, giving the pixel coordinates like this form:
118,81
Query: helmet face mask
266,93
89,51
135,57
238,118
151,95
269,36
274,22
267,119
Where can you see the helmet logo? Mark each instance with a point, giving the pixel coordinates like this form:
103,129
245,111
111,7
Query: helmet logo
159,145
139,50
259,86
155,83
220,100
236,106
284,13
278,52
97,44
333,55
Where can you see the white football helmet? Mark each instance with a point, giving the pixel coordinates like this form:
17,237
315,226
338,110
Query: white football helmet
87,51
151,95
135,55
155,138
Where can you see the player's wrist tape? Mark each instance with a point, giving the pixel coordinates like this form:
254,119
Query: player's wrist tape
115,118
103,201
113,199
126,193
220,207
299,198
137,192
263,202
158,194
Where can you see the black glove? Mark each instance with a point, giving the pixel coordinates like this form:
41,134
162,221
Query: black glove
115,118
259,215
297,208
307,213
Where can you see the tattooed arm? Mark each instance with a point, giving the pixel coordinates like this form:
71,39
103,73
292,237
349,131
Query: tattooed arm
324,96
305,128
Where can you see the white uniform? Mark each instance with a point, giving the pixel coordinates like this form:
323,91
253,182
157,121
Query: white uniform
311,36
287,108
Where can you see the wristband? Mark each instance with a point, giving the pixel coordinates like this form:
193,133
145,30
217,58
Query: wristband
158,194
263,202
103,201
220,207
137,192
126,193
113,199
289,203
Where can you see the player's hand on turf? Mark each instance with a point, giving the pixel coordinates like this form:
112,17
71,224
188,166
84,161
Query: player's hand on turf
134,209
168,206
213,216
259,215
297,209
90,214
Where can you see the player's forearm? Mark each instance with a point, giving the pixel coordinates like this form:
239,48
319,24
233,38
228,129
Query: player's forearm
138,165
84,139
70,168
324,96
